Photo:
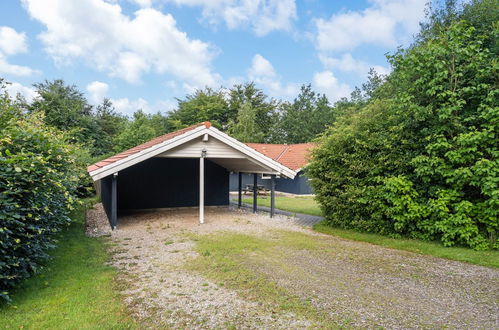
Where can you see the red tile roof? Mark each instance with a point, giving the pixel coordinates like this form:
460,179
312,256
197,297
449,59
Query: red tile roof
293,156
144,146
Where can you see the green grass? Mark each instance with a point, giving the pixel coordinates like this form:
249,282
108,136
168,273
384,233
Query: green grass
482,258
224,258
308,205
75,291
298,204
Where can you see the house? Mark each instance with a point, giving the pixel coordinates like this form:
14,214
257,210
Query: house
293,156
188,167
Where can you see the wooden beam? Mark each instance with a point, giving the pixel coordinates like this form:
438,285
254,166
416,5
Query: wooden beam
114,201
255,191
272,195
240,190
201,189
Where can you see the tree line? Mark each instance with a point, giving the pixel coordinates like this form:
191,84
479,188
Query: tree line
243,111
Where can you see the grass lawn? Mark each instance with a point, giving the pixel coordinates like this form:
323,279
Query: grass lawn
483,258
298,204
75,291
308,205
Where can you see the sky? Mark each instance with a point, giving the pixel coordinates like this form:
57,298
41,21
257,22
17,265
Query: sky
144,54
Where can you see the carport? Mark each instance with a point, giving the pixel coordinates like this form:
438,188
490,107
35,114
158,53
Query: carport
186,168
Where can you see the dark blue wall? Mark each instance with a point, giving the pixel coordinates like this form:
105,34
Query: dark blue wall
167,182
106,185
299,185
247,179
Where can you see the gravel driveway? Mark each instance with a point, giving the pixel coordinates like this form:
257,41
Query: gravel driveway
362,284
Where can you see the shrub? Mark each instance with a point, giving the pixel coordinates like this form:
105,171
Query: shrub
420,160
39,174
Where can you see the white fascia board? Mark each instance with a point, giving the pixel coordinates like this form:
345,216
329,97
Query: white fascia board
267,161
147,153
157,149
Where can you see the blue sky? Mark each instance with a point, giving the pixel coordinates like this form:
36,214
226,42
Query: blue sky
145,53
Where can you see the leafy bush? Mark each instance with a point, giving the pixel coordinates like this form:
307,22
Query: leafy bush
420,159
39,173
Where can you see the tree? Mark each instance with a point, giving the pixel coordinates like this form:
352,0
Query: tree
245,129
63,105
306,117
142,128
370,89
66,108
110,124
203,105
265,109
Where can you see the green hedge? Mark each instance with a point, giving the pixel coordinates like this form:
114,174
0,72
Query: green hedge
421,158
39,174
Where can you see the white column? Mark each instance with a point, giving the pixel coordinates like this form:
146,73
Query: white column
201,190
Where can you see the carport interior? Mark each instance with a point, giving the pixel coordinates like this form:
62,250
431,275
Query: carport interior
162,182
167,182
193,173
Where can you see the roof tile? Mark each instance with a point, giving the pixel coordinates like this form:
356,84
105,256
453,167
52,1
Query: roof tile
144,146
293,156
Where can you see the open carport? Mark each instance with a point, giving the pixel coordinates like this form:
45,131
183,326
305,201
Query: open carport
186,168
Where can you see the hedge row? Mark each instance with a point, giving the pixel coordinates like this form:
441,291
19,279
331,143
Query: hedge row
39,173
421,158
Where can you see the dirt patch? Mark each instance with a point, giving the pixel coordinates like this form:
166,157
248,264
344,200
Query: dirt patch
96,224
366,285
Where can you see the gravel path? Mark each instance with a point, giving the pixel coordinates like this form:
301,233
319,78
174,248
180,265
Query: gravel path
366,284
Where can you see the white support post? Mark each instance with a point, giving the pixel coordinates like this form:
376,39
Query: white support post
201,189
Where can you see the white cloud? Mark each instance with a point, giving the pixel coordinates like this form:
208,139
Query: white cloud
15,88
128,107
385,22
13,69
262,16
165,106
235,80
325,82
143,3
263,73
261,67
98,90
12,43
348,64
126,47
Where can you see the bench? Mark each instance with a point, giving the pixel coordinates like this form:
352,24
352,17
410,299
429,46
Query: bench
260,190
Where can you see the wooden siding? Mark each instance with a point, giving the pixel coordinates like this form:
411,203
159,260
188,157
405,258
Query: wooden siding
214,149
170,182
